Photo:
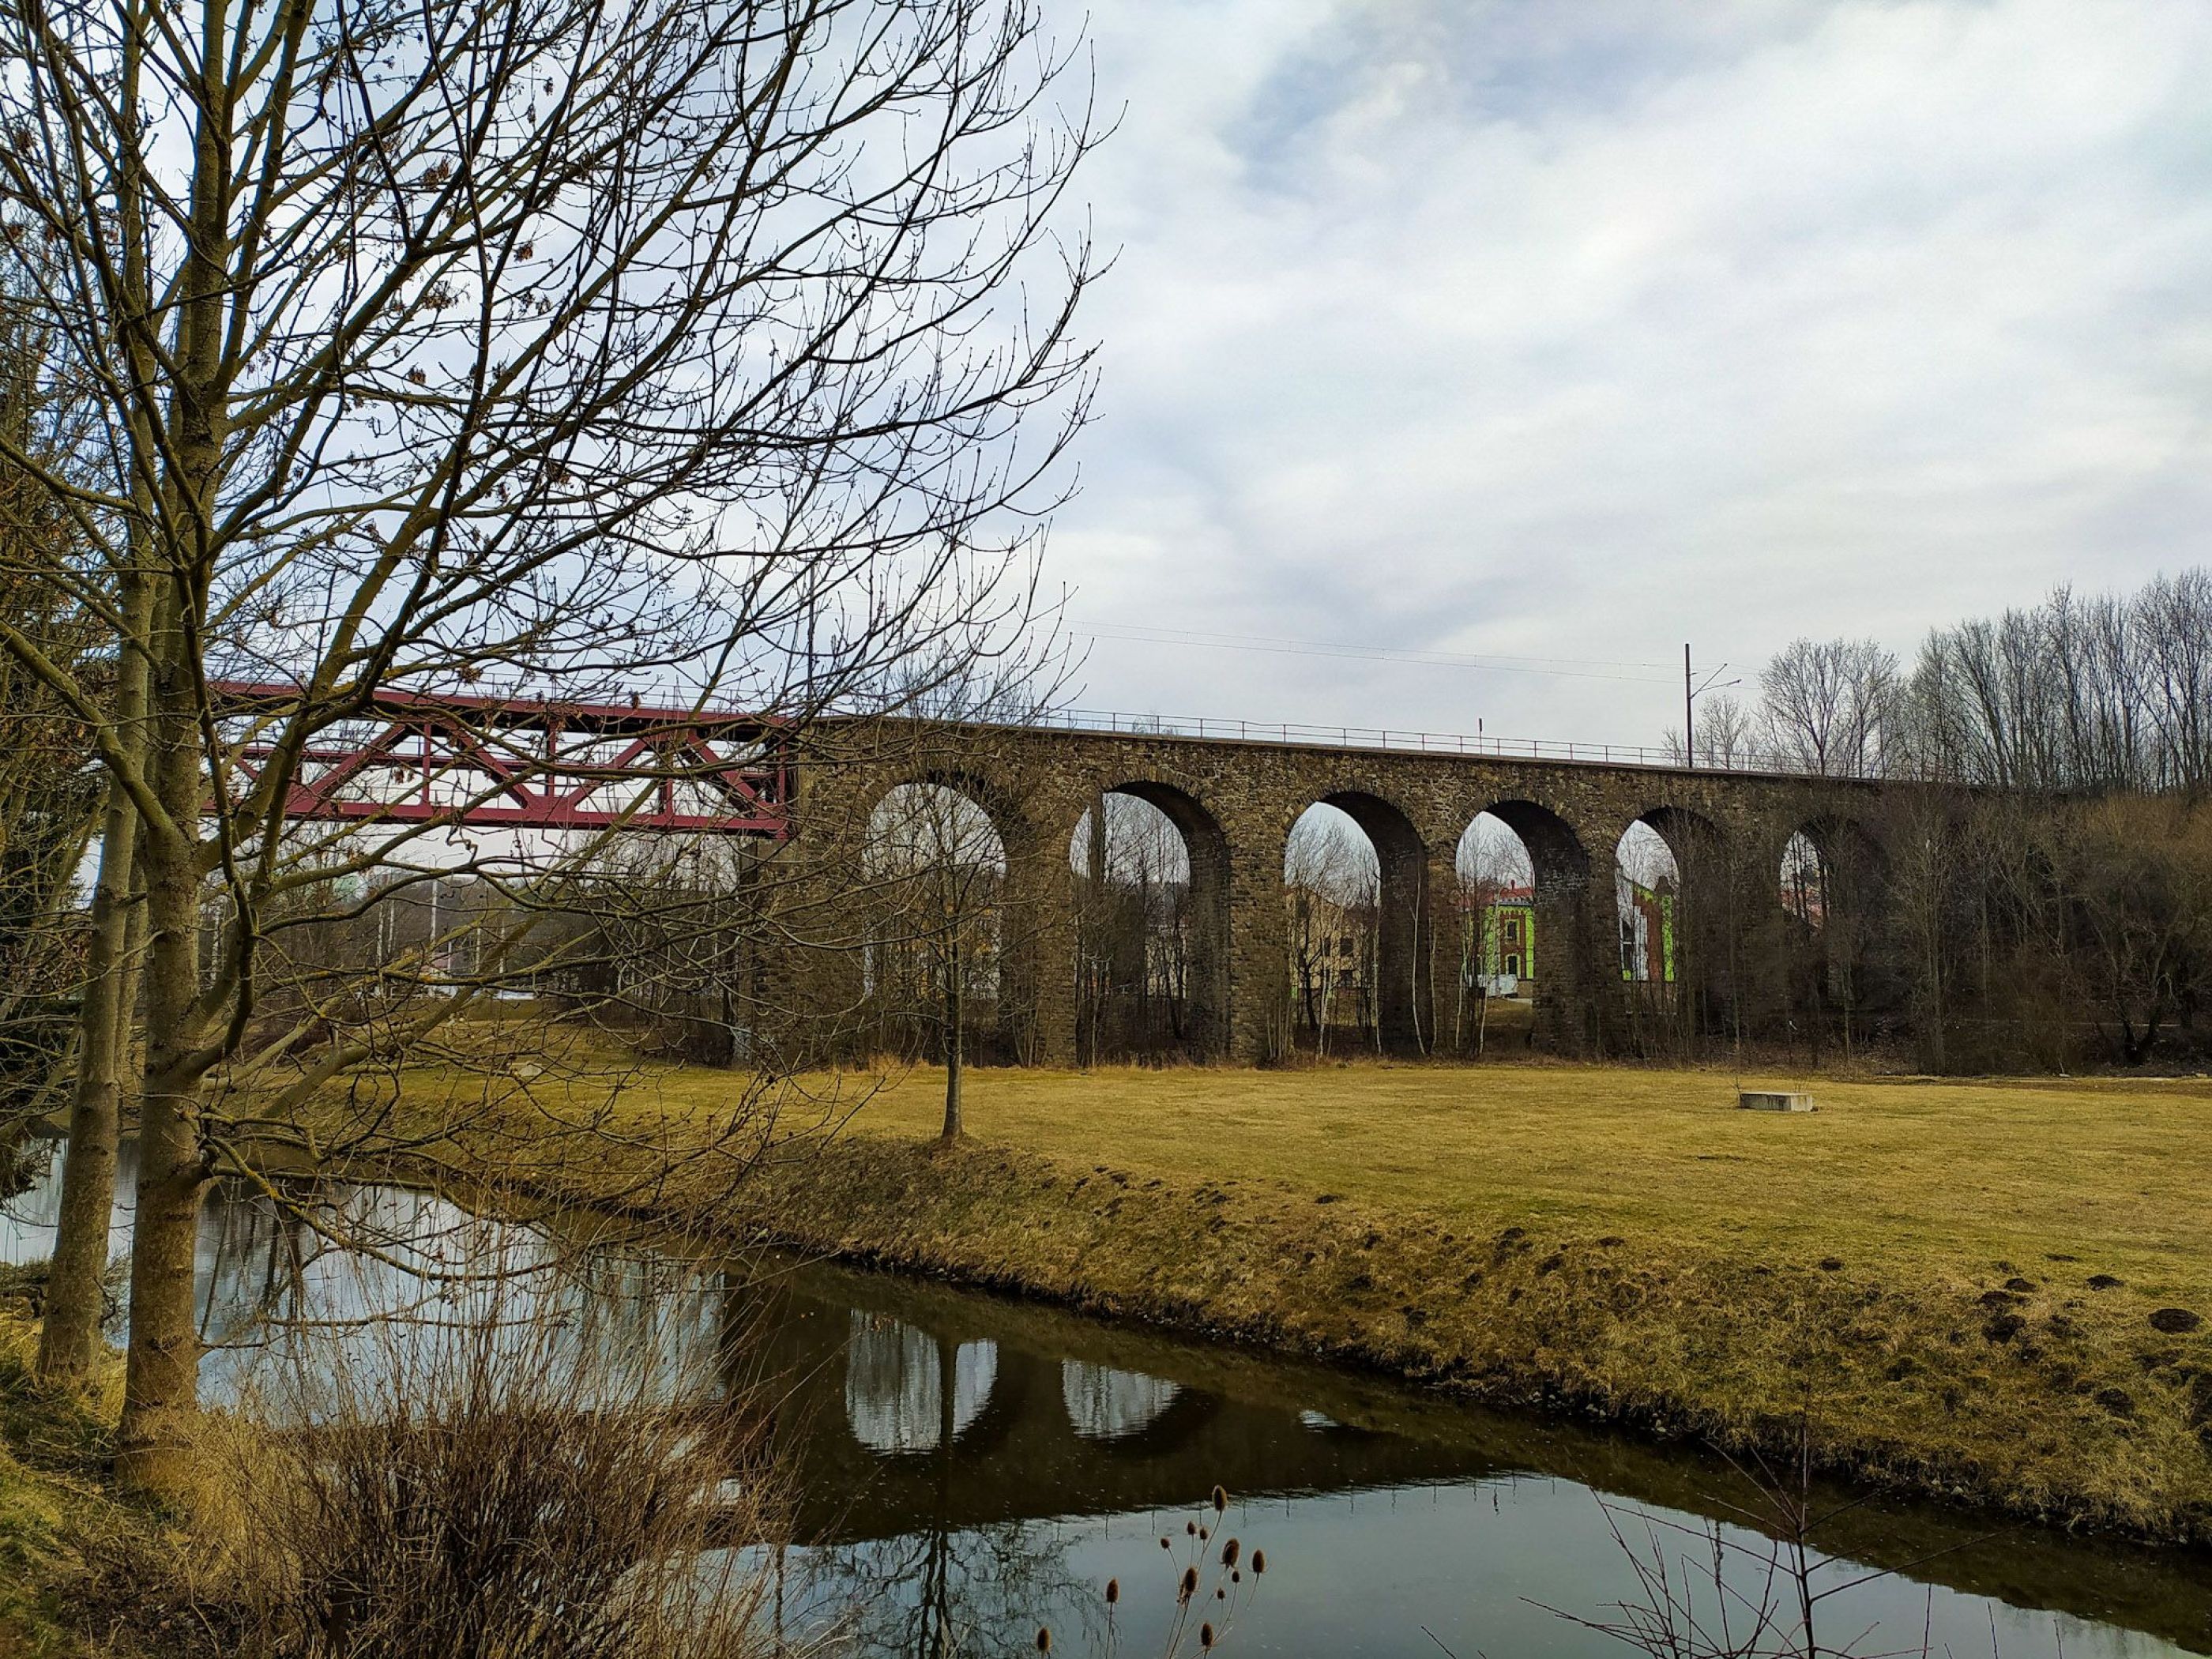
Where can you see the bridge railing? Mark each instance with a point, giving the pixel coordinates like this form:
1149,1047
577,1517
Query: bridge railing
1404,739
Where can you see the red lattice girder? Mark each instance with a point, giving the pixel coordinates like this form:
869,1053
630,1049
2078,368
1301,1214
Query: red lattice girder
524,764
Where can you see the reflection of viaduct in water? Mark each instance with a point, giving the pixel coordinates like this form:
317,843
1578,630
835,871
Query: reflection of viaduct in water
905,1428
1050,1414
1234,804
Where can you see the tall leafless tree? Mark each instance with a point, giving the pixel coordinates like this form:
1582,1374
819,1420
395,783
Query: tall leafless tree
1824,707
724,348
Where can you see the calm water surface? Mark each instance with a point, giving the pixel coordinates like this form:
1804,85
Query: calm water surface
971,1468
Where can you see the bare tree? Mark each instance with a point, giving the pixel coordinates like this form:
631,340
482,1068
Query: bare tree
1824,707
439,345
49,812
2100,693
938,947
1727,734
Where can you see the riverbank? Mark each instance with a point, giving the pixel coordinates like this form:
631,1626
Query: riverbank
57,1512
1979,1292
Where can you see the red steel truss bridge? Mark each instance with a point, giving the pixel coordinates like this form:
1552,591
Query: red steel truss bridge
518,763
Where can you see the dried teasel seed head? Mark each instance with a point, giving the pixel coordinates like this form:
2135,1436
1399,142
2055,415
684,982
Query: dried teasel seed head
1188,1588
1236,1577
1190,1528
1221,1500
1259,1562
1205,1637
1220,1593
1165,1545
1113,1591
1044,1639
1205,1533
1228,1552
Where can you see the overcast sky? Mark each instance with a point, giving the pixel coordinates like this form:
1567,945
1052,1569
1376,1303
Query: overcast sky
1573,329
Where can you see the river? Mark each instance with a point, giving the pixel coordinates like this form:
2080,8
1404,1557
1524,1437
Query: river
970,1468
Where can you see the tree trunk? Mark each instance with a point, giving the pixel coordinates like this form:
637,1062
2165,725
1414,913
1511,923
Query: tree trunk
69,1342
954,1127
161,1379
70,1339
161,1375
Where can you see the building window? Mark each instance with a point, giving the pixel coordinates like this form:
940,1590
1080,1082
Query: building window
1513,966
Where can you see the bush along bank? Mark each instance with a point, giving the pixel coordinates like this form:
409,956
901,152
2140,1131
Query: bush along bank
2046,1389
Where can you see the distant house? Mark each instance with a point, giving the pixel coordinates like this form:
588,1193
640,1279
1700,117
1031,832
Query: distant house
1503,962
1647,930
1332,949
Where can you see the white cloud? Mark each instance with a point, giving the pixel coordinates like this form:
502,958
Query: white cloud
1579,330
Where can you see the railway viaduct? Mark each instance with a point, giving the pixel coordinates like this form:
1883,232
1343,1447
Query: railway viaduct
1235,801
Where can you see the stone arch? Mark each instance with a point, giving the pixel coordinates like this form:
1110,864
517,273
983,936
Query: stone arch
1204,932
1848,853
1573,944
932,841
1830,910
1006,809
907,1391
1403,987
1684,993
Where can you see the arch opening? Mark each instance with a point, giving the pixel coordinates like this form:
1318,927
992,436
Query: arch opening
1823,955
1647,883
1355,881
907,1391
1678,908
935,964
1803,883
1539,876
1105,1403
1151,870
1494,1003
1332,880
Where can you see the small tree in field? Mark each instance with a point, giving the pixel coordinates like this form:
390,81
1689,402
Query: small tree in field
718,348
938,949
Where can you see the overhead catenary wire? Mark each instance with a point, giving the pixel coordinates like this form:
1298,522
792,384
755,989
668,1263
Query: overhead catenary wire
1565,667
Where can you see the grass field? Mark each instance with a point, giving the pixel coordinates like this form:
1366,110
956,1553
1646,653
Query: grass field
1995,1290
1960,1174
1951,1284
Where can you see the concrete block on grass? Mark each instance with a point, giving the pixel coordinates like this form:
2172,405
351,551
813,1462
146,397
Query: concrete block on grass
1774,1100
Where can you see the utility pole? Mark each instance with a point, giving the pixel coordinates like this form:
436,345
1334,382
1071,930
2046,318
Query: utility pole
1691,692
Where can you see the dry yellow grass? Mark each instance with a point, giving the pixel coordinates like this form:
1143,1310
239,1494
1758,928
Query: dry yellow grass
53,1503
1954,1281
1962,1173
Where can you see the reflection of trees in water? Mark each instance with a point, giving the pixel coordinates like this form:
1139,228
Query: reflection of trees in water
1106,1404
937,1594
277,1298
265,1277
933,1592
907,1391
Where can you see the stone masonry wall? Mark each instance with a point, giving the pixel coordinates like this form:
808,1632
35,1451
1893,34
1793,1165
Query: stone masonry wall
1235,803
